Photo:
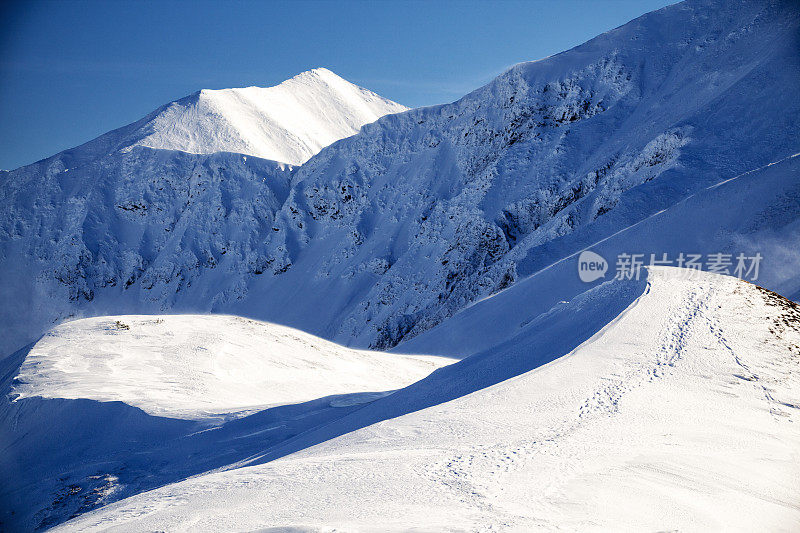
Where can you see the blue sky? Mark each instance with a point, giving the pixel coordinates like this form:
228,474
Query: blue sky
72,70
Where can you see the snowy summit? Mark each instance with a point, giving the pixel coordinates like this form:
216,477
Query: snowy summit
288,123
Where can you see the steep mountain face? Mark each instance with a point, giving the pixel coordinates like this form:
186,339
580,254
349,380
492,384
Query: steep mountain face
387,233
765,220
131,220
289,122
132,230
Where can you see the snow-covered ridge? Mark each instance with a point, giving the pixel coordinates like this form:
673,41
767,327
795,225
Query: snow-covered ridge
679,413
766,220
105,407
289,122
202,366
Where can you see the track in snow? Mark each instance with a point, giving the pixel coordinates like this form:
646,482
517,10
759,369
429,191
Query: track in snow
650,424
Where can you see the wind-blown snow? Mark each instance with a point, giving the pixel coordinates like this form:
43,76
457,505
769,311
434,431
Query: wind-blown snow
196,366
289,122
682,413
104,408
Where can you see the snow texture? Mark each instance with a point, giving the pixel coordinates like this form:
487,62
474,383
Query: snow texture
201,366
681,413
104,408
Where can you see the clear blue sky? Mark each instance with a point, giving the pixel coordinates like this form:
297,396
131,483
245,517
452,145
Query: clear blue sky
71,70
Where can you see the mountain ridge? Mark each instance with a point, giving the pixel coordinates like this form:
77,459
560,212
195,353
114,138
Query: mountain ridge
638,404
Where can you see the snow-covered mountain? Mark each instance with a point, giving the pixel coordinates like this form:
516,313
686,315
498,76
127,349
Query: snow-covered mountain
383,235
156,202
391,231
612,419
289,122
764,220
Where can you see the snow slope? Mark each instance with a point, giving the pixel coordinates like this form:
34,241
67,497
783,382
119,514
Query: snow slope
680,414
104,408
200,366
149,221
289,122
755,212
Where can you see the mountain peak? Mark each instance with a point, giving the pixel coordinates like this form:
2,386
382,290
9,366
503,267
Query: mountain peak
319,72
289,122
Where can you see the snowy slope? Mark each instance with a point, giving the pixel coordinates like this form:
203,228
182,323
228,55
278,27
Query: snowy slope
108,407
289,122
199,366
74,235
680,414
